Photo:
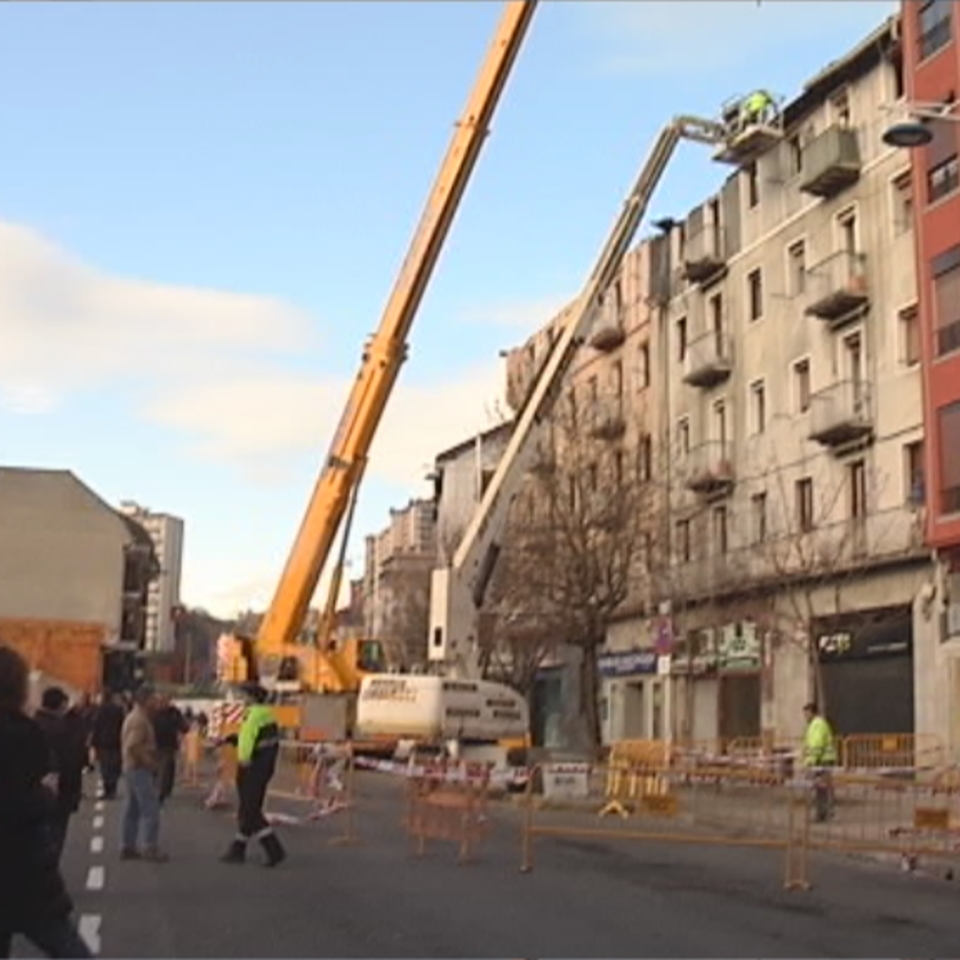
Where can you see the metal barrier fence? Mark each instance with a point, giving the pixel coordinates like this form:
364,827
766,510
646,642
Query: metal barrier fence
865,752
666,806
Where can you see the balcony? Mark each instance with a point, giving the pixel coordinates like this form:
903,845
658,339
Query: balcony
831,162
838,287
842,414
709,360
705,255
710,468
607,334
606,420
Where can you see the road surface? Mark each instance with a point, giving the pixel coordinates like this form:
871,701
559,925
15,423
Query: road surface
584,898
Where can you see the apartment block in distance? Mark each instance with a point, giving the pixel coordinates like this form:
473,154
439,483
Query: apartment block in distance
931,39
166,532
793,394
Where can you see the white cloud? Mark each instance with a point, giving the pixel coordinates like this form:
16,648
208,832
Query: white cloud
65,326
657,37
208,363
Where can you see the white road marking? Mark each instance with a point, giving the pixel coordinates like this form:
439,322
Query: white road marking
89,930
98,823
98,806
96,877
96,844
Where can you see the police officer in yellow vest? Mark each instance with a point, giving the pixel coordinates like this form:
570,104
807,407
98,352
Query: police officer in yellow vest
258,745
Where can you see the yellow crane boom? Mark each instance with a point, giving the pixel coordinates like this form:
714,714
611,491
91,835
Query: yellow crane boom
385,352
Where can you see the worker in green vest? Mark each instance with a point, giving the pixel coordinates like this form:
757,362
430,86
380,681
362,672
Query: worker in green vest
756,107
819,755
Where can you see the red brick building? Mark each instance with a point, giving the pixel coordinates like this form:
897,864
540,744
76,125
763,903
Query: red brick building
931,46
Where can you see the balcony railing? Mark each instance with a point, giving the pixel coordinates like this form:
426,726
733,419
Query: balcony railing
831,162
605,419
709,468
842,413
705,254
709,360
837,286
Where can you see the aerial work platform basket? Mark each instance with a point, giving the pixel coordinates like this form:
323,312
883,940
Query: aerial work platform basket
749,133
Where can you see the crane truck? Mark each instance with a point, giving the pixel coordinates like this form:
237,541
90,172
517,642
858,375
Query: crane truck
457,705
270,657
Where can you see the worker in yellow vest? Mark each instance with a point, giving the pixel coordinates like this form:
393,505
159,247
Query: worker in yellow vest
756,107
819,755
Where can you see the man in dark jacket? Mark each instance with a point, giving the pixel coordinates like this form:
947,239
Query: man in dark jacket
168,727
66,752
33,898
105,740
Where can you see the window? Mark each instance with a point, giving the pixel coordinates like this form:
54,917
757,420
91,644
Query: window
840,108
943,175
758,404
572,404
943,179
758,511
753,186
804,497
720,423
801,379
913,473
618,467
755,289
592,476
794,155
716,318
933,19
948,422
847,227
683,540
902,204
616,378
797,267
683,434
853,350
946,300
682,339
720,541
644,366
858,489
645,454
910,335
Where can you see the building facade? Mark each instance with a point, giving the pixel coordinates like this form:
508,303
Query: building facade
396,583
796,429
69,558
931,44
166,533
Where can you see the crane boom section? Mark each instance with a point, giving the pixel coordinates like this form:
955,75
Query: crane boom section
460,588
385,352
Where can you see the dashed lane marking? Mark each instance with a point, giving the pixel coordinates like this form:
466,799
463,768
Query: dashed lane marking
96,844
89,929
98,823
98,806
96,876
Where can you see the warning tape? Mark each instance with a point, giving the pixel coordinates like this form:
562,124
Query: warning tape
451,774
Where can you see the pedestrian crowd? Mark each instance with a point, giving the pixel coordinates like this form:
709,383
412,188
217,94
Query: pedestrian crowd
135,738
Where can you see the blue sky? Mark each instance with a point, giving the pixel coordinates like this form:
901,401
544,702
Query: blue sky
203,208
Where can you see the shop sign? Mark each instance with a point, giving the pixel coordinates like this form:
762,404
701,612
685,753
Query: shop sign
886,633
627,663
739,647
702,665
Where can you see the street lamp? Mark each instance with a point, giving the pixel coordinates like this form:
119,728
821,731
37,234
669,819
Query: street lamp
916,130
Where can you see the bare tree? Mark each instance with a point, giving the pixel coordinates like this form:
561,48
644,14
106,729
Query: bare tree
579,538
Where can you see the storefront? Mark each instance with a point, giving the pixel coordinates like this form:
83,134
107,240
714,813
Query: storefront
634,696
693,671
739,666
866,661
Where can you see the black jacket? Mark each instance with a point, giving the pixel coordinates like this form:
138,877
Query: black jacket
107,725
66,756
31,887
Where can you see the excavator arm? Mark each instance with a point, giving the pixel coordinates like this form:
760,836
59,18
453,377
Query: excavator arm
385,352
457,591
